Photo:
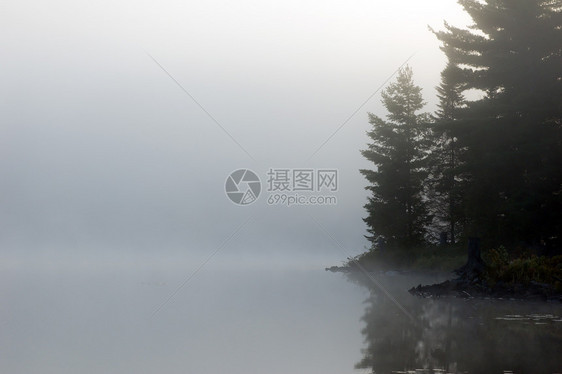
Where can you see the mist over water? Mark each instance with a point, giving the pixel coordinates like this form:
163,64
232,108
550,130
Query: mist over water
154,314
132,316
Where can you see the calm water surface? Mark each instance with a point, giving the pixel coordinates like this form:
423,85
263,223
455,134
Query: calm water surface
136,317
407,334
131,318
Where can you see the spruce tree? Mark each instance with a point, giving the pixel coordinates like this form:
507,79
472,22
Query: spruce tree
445,182
513,135
397,211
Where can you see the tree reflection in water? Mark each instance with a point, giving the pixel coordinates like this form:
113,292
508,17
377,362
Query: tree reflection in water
458,336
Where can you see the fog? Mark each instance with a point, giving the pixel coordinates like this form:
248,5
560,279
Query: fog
102,149
112,319
112,175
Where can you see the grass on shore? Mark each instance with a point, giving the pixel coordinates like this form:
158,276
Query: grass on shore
501,266
522,269
427,258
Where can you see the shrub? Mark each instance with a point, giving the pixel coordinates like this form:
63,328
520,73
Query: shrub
531,268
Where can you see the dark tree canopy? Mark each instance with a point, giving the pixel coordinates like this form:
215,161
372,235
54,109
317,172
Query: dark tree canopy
486,166
445,181
396,209
513,135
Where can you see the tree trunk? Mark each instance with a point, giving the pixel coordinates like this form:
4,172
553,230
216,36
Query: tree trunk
452,215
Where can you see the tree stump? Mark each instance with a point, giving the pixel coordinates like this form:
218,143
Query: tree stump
443,238
474,266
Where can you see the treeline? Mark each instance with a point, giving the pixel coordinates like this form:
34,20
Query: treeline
487,167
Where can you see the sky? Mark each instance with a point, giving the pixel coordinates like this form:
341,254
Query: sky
121,121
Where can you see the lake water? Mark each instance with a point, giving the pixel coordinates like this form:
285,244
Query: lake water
142,316
403,333
133,317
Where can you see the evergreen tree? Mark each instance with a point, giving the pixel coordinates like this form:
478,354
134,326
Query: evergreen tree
513,135
445,181
396,209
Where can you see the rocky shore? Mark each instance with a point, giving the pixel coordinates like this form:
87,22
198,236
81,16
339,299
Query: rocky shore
464,289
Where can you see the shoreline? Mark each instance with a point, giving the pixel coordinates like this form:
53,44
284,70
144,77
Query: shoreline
459,287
